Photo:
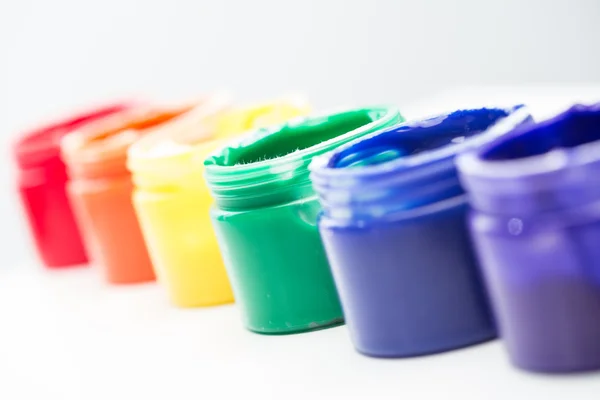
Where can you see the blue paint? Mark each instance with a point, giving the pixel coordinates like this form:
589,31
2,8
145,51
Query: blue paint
409,166
394,229
535,194
577,126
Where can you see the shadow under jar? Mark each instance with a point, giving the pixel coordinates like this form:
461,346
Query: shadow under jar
394,228
265,219
535,195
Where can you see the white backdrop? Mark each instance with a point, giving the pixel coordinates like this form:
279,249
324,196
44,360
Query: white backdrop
57,54
68,336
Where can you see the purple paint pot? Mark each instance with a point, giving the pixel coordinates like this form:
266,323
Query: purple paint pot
535,194
395,233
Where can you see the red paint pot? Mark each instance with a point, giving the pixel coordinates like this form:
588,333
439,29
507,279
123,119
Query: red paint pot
41,179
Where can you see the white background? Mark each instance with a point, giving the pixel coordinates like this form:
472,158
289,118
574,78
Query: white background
58,54
68,336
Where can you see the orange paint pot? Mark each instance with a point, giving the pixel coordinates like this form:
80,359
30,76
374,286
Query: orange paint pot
100,189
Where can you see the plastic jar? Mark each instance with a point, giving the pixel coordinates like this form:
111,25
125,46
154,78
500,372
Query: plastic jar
172,200
41,183
100,189
394,229
535,194
265,219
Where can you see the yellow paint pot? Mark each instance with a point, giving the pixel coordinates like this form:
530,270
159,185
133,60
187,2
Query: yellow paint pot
172,201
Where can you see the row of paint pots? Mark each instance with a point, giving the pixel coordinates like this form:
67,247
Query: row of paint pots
355,210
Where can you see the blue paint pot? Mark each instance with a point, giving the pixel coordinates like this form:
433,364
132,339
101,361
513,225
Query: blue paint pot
395,233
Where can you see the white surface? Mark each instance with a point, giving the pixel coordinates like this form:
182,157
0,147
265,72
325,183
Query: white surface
66,335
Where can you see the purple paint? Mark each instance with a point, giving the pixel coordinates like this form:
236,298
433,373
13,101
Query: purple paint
535,194
395,233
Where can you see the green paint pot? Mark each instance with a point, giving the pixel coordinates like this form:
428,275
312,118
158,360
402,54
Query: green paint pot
265,218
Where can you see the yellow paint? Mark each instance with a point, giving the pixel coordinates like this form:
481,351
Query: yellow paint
172,201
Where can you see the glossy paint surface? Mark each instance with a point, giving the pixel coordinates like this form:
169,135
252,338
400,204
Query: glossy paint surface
394,227
265,219
536,223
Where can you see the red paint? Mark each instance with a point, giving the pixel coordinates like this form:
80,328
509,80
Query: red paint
41,180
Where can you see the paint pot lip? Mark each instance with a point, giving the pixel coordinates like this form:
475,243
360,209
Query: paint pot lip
558,178
264,178
540,166
259,134
221,120
40,146
173,141
324,164
211,111
100,148
407,182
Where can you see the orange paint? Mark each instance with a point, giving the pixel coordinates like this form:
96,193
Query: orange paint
100,189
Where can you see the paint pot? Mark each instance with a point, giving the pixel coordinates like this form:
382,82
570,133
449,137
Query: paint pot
535,194
394,229
100,190
172,200
265,219
41,179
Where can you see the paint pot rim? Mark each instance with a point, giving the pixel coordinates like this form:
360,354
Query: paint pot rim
219,119
100,148
556,178
39,146
167,151
274,175
559,158
407,182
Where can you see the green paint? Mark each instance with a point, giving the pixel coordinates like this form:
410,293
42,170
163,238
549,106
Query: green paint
265,218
